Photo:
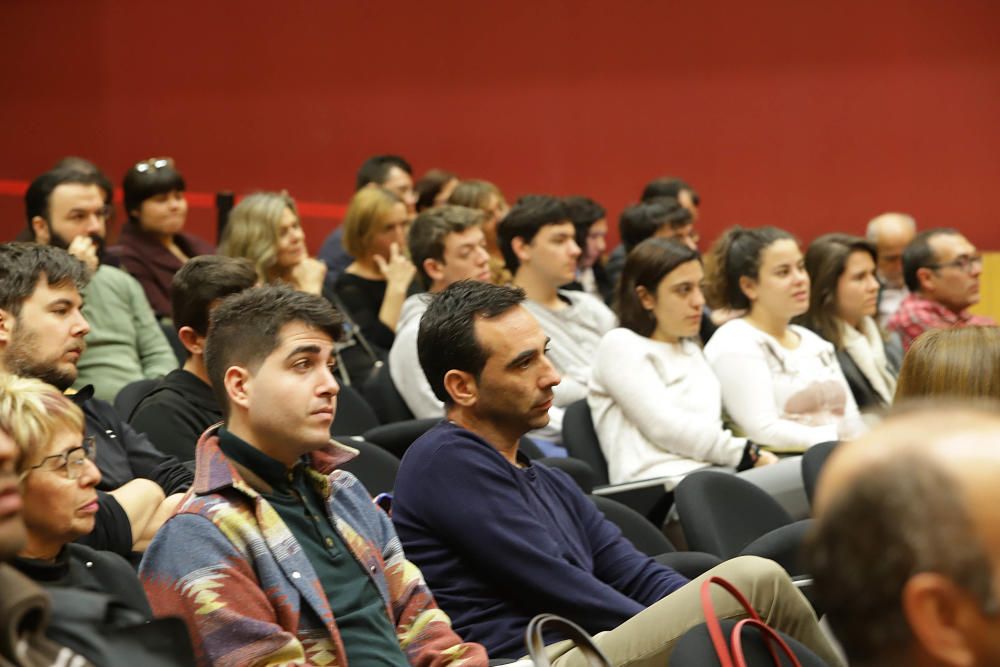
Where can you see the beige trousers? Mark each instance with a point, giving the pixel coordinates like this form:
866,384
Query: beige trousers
649,637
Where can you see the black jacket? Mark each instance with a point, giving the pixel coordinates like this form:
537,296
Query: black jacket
176,413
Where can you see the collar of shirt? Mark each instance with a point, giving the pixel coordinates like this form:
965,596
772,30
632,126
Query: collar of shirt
271,471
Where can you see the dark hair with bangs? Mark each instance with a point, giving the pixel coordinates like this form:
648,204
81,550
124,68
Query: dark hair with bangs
139,185
376,169
826,259
526,218
244,329
447,336
22,265
649,263
668,187
639,222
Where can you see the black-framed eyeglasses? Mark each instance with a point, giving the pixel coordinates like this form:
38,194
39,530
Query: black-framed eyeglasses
153,164
964,263
72,461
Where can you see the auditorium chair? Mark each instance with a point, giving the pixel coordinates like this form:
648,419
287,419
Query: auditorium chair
384,398
354,415
695,649
374,466
812,464
128,397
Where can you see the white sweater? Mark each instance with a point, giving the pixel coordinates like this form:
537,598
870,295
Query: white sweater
657,409
789,399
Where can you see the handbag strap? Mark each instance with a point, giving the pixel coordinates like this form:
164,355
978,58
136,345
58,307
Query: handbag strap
770,636
536,643
712,620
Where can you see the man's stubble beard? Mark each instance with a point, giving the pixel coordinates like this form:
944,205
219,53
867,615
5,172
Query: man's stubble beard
20,360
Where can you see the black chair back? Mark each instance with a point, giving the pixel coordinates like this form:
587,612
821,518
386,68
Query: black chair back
384,398
354,416
722,513
580,439
374,466
695,649
636,528
812,463
398,436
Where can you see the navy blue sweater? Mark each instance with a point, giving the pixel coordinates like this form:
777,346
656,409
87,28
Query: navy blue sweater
498,544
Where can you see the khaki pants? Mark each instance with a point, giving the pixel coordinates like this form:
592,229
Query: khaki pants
649,637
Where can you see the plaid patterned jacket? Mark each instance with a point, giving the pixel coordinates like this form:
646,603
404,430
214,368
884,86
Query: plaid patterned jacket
916,315
228,565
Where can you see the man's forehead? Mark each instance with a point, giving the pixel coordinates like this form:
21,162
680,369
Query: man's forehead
74,194
472,235
951,245
45,293
295,334
508,333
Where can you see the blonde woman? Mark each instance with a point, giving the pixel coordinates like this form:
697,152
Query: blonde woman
375,284
265,228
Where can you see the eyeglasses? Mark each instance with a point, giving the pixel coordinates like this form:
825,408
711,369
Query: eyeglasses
73,461
964,263
153,164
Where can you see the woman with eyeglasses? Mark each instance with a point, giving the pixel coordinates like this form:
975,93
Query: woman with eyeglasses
843,303
781,383
152,244
486,197
58,480
656,404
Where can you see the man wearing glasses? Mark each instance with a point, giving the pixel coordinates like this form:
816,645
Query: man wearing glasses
941,269
68,207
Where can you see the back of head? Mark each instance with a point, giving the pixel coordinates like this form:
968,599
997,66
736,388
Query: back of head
919,254
583,212
36,197
668,187
647,264
641,221
528,215
447,336
33,412
149,178
960,363
737,253
244,329
376,169
826,260
368,208
426,238
252,230
430,185
891,506
474,193
22,265
203,281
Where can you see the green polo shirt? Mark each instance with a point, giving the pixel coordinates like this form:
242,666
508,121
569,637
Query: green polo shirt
369,636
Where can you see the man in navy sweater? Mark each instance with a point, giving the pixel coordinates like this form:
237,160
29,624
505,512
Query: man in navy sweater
500,539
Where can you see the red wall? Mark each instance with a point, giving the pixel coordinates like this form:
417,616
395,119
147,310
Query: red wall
811,116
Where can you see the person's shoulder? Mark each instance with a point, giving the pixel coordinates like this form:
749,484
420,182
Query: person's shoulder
810,340
733,334
623,341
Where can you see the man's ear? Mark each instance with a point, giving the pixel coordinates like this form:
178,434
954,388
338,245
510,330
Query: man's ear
192,341
522,249
749,287
434,269
645,298
41,229
7,322
938,613
462,388
237,381
925,277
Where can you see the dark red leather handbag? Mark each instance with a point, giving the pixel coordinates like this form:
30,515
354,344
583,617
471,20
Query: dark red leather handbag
730,653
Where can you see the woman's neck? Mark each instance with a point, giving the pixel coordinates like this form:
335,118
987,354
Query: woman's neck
36,549
774,326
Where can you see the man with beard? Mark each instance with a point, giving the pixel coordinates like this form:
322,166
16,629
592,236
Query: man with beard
67,207
42,330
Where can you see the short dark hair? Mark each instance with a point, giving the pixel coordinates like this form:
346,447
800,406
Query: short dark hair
376,169
899,517
22,265
38,194
243,330
826,259
88,167
918,254
447,336
429,186
735,254
639,222
668,186
146,179
528,215
428,232
583,212
201,282
648,263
